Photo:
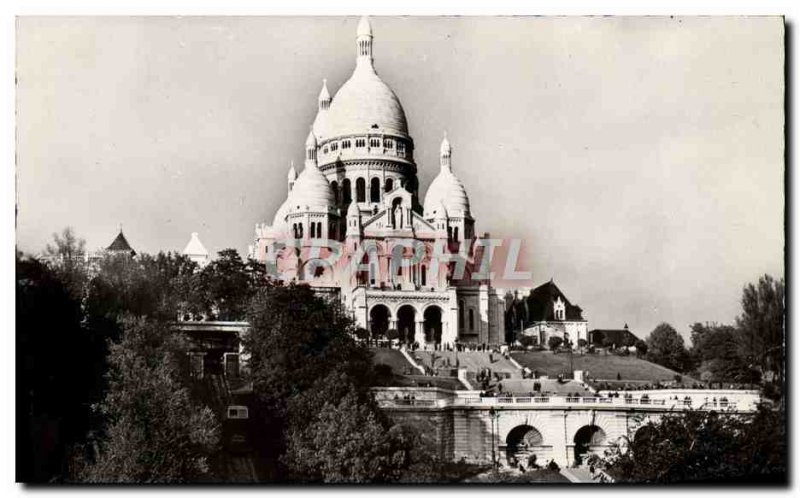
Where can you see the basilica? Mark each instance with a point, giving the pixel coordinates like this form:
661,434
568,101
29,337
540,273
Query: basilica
352,224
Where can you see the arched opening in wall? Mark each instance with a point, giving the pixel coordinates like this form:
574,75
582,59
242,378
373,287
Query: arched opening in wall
361,190
389,185
525,445
461,314
347,192
589,439
379,320
375,190
423,275
335,188
433,325
406,321
471,319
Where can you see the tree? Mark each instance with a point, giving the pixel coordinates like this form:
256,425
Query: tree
702,447
554,342
56,374
761,326
226,286
297,339
338,435
715,349
665,347
66,255
641,347
155,431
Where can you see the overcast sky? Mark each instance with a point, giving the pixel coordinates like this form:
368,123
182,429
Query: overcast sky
640,159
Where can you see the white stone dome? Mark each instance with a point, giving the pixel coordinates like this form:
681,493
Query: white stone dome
279,221
448,191
312,191
363,104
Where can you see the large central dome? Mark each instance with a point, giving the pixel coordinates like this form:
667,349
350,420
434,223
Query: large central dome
365,104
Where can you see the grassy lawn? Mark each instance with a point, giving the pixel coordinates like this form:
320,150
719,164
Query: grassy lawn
393,358
599,366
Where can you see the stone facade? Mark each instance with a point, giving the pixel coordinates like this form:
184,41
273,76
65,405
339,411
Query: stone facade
353,224
563,429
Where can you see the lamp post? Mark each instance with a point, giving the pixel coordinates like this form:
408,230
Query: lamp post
492,415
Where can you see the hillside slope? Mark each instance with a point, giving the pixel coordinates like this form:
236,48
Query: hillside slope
599,366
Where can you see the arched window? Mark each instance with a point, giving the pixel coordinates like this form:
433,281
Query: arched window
335,188
312,230
423,273
361,189
319,229
360,142
347,192
449,233
387,143
389,185
294,231
300,229
455,234
471,319
374,142
461,314
401,149
375,190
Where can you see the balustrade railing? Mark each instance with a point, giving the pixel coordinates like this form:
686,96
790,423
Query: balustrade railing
680,404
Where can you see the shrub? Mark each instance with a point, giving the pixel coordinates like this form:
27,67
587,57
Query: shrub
554,342
383,370
527,341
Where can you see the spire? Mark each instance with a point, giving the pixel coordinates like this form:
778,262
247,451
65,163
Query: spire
324,96
311,149
364,42
445,152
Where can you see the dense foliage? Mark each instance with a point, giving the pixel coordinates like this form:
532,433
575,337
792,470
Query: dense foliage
58,372
665,347
311,379
703,447
155,431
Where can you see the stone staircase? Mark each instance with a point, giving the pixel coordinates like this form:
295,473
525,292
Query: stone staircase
473,361
579,475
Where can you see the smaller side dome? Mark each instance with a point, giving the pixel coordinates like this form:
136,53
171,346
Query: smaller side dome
440,212
279,221
311,191
447,190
